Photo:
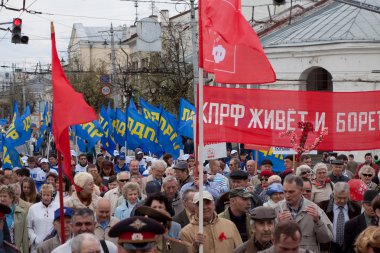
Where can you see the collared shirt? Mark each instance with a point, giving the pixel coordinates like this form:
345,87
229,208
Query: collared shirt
294,212
336,211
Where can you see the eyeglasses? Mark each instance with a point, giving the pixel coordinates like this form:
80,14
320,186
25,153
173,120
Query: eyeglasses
123,180
367,175
305,172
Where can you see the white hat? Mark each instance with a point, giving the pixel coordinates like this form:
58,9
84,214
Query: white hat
233,152
115,153
44,160
184,157
149,159
73,153
82,178
206,195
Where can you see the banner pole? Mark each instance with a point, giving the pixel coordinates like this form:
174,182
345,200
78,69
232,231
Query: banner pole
60,192
200,154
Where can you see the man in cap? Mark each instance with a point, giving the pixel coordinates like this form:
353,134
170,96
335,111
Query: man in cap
83,221
312,220
287,238
121,164
355,226
237,212
137,234
50,244
139,156
336,175
222,234
104,220
262,224
164,242
181,172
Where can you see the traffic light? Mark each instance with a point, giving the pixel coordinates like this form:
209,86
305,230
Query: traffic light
16,32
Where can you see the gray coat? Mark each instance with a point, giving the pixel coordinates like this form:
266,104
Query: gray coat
312,233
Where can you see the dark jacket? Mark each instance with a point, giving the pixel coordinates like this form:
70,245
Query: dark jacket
246,247
352,229
182,218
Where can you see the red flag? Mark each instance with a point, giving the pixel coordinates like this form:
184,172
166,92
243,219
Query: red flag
69,108
230,47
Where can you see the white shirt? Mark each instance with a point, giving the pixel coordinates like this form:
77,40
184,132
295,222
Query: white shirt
66,247
79,168
336,211
34,172
40,222
41,175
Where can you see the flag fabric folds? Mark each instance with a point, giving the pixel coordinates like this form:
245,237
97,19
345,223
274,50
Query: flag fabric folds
11,157
107,138
44,128
19,130
186,119
168,136
120,127
230,48
91,132
69,108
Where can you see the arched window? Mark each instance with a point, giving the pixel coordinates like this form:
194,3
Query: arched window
319,79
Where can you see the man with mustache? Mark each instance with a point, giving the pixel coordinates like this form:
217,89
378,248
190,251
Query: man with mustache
262,223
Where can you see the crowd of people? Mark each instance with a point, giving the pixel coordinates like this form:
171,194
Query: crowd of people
128,204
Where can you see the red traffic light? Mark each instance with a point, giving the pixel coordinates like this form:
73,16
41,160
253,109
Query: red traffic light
17,21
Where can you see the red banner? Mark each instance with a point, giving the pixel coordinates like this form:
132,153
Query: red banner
260,116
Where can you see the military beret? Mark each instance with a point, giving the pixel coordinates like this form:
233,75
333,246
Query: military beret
263,213
239,174
266,173
137,232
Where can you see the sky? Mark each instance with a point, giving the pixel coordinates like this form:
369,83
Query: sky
64,13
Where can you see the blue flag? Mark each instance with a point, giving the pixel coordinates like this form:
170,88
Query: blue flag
11,157
92,132
142,133
44,128
132,104
186,119
19,130
106,123
120,127
3,122
277,160
150,112
168,134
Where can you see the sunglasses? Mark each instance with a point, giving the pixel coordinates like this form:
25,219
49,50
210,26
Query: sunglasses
264,179
124,180
367,175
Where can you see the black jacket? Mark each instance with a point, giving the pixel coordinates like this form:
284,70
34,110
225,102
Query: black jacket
352,229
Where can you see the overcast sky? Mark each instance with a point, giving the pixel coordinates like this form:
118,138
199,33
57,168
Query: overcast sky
65,13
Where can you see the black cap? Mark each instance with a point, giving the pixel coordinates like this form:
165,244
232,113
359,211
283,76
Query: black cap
239,174
337,162
152,187
137,232
158,215
267,161
369,195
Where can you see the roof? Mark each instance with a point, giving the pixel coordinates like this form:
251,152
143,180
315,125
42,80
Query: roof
97,34
336,22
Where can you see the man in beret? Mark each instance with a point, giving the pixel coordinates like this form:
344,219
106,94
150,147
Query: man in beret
164,243
137,234
336,175
50,244
263,222
220,235
237,212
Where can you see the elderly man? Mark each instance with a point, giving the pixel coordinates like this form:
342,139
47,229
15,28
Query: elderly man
336,175
252,169
312,220
181,172
104,220
170,187
40,217
84,243
184,217
157,170
239,179
114,194
237,212
287,238
339,209
83,221
234,164
50,244
220,235
262,224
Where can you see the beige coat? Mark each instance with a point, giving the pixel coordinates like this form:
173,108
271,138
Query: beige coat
75,203
221,234
312,233
21,235
113,196
321,194
49,245
103,234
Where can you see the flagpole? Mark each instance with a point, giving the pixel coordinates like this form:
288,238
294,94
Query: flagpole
60,192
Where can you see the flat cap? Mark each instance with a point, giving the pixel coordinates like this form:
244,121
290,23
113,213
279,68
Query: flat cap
267,161
240,192
263,213
337,162
181,166
137,232
239,174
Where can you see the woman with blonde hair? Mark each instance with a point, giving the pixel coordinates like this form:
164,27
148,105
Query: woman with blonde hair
322,187
368,241
366,174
